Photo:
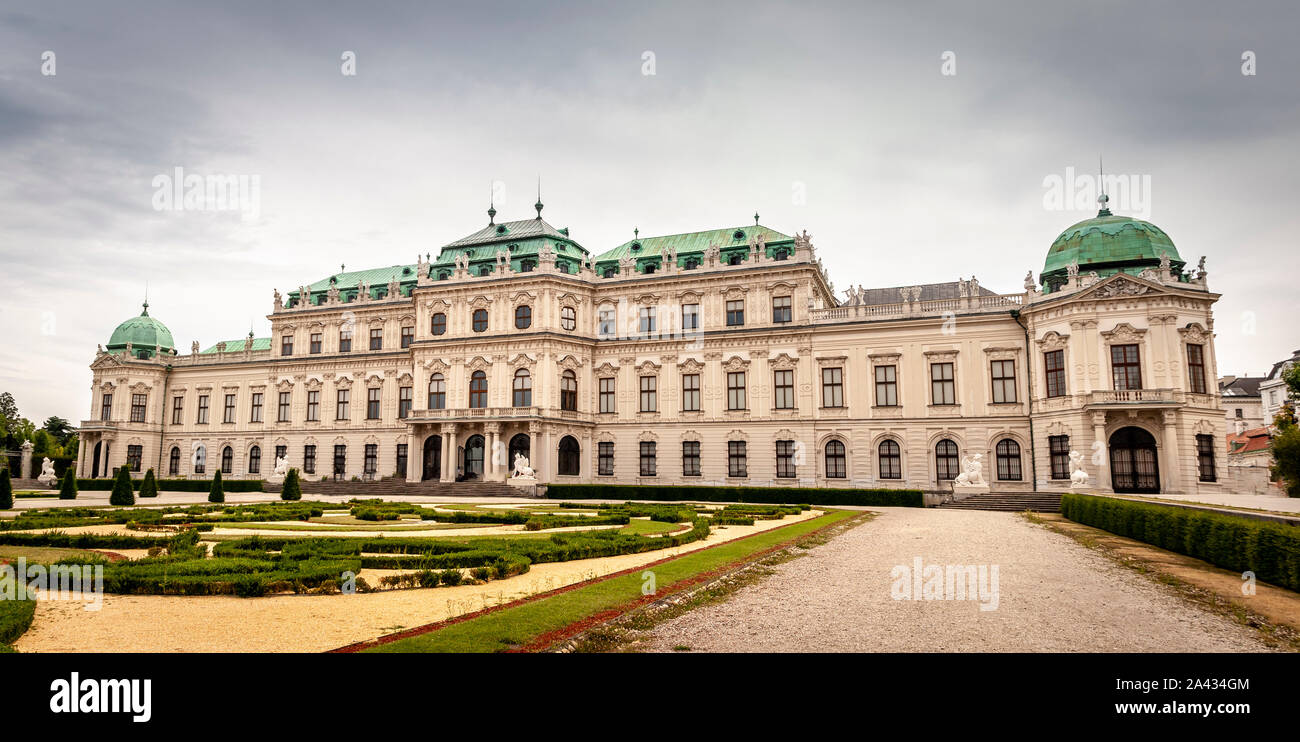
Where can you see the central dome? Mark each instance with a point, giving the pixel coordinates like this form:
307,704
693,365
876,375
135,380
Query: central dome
143,333
1108,244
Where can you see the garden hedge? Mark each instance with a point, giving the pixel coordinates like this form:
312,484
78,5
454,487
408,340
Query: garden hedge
1269,549
769,495
177,485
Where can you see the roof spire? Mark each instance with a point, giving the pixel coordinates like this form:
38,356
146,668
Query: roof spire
636,233
145,313
1103,199
755,218
492,208
538,205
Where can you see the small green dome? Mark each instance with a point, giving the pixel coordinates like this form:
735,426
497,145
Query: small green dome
143,333
1108,244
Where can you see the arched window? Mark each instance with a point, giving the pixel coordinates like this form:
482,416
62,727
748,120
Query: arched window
945,460
519,445
610,272
478,389
1008,455
648,268
568,318
523,317
735,259
569,456
836,464
437,392
438,324
526,266
174,462
568,391
485,270
891,460
255,460
227,460
691,263
780,255
523,389
479,319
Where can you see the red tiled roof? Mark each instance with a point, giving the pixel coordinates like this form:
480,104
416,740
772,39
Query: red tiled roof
1255,439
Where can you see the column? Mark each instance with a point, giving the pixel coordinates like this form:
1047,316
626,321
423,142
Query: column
1099,436
1170,465
448,453
414,459
491,466
25,466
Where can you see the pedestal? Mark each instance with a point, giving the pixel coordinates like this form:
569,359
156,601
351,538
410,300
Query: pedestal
962,491
526,485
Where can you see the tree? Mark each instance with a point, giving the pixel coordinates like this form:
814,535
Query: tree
292,488
1285,444
42,442
149,487
216,494
122,496
6,490
59,429
68,489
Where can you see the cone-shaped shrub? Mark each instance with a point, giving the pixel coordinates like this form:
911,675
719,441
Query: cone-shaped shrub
6,490
68,489
216,494
292,488
149,487
122,495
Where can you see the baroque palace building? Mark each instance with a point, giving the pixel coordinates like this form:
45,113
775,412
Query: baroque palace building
714,357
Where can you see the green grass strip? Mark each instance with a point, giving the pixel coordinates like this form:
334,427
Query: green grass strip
503,629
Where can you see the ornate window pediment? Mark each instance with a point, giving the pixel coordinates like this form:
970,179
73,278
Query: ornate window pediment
1053,340
738,435
314,384
284,385
885,358
437,304
607,368
435,365
735,292
690,366
343,382
569,362
374,380
520,297
479,363
405,379
735,363
522,360
1119,285
940,356
570,299
832,360
648,368
647,435
783,361
1001,353
781,286
1123,334
480,302
690,296
1195,334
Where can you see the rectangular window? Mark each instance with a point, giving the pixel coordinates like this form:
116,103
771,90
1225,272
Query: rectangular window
1059,451
282,414
943,389
736,390
134,454
607,400
345,341
607,323
377,339
832,387
886,386
371,464
1054,363
202,418
341,405
106,407
316,343
649,397
690,458
228,414
286,345
178,410
781,310
401,459
647,458
1205,457
405,398
255,415
309,459
690,392
736,464
340,459
785,459
605,458
1125,367
313,405
372,403
138,407
1196,369
783,384
647,320
408,336
735,313
690,316
1004,381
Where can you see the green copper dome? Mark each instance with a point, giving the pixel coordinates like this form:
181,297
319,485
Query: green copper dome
1108,244
143,333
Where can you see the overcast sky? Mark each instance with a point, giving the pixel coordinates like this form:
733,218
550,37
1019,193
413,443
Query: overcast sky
834,118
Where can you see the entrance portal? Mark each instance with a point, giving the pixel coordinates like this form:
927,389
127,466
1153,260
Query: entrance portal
519,444
94,466
1133,463
474,457
432,458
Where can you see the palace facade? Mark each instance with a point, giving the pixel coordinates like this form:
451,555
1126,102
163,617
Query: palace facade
714,357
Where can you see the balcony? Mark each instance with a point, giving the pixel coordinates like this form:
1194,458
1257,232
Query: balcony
933,307
487,414
1109,397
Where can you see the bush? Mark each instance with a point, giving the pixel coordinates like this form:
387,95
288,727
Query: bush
175,485
451,577
216,494
149,487
6,490
123,495
1269,549
770,495
68,488
292,488
16,612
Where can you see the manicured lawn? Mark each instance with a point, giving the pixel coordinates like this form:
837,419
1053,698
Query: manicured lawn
519,625
42,554
391,526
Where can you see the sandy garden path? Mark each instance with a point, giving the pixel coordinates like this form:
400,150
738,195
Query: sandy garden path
309,623
1054,596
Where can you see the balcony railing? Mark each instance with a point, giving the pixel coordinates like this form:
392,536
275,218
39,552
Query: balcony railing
495,413
1135,396
919,308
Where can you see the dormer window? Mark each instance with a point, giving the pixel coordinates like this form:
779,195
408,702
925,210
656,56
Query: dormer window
738,235
501,229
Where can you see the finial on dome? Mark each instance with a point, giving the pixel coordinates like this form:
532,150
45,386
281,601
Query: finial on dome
538,205
145,313
755,218
492,207
1103,199
636,233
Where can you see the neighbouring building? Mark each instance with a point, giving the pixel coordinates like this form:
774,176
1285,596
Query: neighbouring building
1242,405
1273,390
716,357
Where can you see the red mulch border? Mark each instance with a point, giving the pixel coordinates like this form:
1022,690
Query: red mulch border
553,637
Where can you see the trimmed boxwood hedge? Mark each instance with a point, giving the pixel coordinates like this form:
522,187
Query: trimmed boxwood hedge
177,485
1269,549
769,495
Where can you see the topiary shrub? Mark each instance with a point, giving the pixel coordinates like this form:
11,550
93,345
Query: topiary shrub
123,495
149,487
292,488
68,488
6,490
216,494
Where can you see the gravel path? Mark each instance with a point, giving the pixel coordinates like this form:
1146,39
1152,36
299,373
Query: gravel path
1053,596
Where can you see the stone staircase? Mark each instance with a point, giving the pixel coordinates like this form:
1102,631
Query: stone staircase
391,487
1042,502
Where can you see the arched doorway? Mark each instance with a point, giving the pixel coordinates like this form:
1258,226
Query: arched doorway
432,458
474,457
1134,466
519,444
570,456
94,467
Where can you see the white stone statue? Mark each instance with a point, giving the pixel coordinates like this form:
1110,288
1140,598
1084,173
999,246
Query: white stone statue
972,472
281,466
1078,477
47,477
522,469
279,300
1030,284
198,455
